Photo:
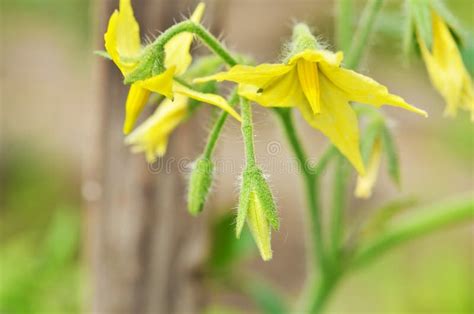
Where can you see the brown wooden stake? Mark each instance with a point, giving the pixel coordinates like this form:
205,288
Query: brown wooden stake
145,251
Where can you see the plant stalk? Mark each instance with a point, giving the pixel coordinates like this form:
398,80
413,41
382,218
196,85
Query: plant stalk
247,131
217,128
365,28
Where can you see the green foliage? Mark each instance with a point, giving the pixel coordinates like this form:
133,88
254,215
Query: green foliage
226,250
267,299
458,137
39,236
225,254
73,14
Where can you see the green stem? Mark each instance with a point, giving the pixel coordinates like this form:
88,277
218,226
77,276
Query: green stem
426,220
326,157
338,204
202,33
310,180
247,131
366,24
344,24
319,295
217,128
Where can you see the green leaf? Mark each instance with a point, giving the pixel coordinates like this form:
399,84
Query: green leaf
421,222
384,214
269,301
225,248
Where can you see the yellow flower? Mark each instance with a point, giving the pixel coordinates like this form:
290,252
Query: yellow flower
446,69
366,182
122,42
315,83
152,135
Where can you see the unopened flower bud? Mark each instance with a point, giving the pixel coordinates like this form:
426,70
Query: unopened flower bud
199,184
257,208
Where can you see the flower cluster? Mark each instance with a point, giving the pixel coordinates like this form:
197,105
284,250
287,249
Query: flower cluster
310,78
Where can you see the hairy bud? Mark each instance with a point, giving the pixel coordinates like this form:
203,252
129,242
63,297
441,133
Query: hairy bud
199,184
257,208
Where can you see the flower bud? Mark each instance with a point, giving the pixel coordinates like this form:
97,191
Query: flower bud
257,208
199,184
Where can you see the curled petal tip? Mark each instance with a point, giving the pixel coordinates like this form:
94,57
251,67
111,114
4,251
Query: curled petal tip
267,256
127,128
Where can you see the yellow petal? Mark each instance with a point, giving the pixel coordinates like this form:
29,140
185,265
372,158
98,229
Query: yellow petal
161,83
259,227
122,39
365,183
284,91
136,101
110,38
128,31
325,56
337,121
244,74
308,77
177,49
363,89
151,137
207,98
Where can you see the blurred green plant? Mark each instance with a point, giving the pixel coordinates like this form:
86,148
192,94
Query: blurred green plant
39,236
74,15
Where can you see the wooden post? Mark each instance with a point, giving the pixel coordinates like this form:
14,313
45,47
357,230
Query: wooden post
145,251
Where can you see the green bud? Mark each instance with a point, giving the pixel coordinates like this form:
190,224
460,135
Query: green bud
199,185
258,209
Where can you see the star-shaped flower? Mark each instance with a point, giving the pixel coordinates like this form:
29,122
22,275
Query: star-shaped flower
315,82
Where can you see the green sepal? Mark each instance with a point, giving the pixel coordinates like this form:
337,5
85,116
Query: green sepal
103,54
302,39
385,214
263,192
148,65
408,37
421,13
371,133
199,185
388,146
253,181
244,202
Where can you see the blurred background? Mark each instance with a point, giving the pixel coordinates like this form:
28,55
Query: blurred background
53,97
